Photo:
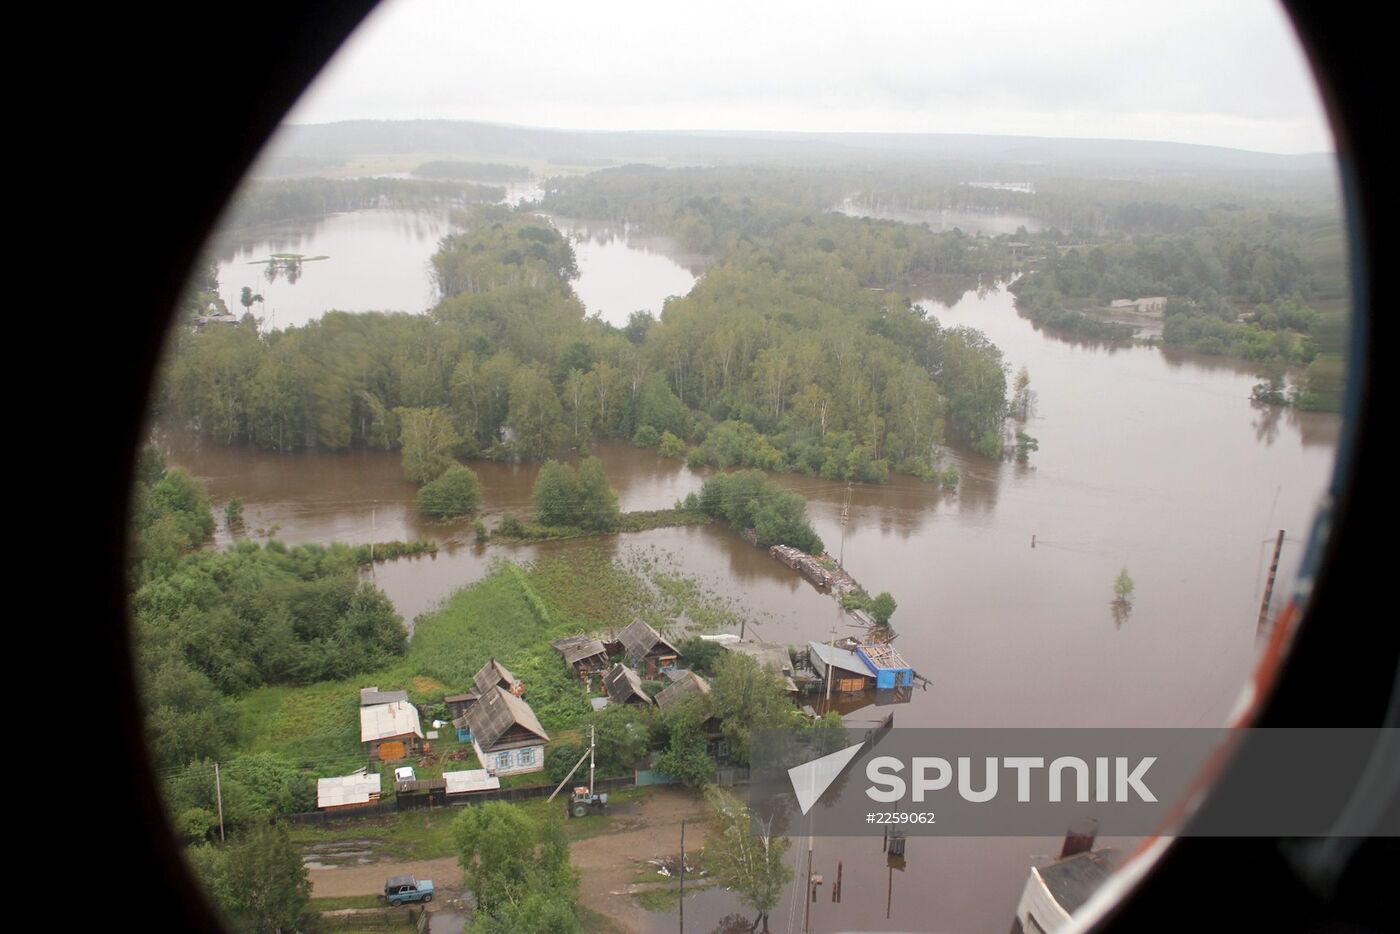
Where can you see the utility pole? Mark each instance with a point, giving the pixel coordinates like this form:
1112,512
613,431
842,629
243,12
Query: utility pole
1269,585
592,761
682,875
219,797
830,665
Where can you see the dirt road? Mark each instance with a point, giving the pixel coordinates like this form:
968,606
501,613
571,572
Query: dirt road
609,863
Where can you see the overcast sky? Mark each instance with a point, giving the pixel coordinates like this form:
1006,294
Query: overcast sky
1221,72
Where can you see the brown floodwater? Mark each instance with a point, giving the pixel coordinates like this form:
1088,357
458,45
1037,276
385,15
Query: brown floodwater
1153,461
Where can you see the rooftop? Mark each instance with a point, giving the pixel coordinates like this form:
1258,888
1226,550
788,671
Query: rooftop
493,716
1071,881
346,789
470,780
371,696
691,686
383,721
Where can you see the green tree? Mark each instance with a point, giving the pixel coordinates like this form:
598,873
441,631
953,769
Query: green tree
233,513
882,608
427,438
596,508
261,884
535,414
514,864
752,864
1123,588
455,493
556,494
747,697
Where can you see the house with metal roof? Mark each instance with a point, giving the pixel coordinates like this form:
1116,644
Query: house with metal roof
846,671
506,734
493,674
1055,892
624,686
347,791
391,731
886,664
644,649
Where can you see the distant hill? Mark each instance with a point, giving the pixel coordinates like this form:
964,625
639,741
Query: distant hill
309,147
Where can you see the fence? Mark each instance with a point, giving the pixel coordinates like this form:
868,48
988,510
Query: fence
394,805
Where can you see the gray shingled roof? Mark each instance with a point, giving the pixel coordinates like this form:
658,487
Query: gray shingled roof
638,639
577,648
685,688
492,716
622,683
491,675
765,653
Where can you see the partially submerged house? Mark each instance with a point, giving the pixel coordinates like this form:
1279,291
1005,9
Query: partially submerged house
506,734
768,655
624,686
347,791
1055,892
644,649
846,671
886,664
390,731
492,675
584,655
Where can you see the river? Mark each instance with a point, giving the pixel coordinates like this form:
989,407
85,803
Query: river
1148,460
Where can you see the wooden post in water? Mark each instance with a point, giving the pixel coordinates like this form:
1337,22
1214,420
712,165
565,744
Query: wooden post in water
1269,584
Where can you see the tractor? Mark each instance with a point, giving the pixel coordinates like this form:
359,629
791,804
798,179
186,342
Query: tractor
583,802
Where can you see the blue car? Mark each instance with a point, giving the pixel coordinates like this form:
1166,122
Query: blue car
400,890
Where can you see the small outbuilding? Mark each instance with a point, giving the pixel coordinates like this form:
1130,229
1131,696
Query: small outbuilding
390,731
492,675
624,686
372,697
692,685
768,655
470,782
582,654
347,791
845,670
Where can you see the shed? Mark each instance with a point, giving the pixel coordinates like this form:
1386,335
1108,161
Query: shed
458,704
690,686
370,697
624,686
888,666
644,649
470,781
847,672
385,726
506,734
346,791
584,654
493,674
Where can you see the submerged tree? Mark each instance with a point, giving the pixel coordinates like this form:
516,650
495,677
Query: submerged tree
752,864
1123,588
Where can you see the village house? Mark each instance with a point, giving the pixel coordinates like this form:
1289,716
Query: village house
390,731
583,654
691,685
644,649
506,734
624,686
845,670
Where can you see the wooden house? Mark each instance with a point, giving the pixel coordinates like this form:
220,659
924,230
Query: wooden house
584,655
688,686
459,704
506,734
845,670
492,675
624,686
390,731
1053,893
644,649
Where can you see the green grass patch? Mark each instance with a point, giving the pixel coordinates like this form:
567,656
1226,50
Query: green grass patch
594,922
425,834
343,902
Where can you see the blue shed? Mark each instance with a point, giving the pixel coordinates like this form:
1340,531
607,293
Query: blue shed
886,664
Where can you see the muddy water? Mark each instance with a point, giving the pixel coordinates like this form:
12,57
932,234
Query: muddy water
621,271
975,222
1156,462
